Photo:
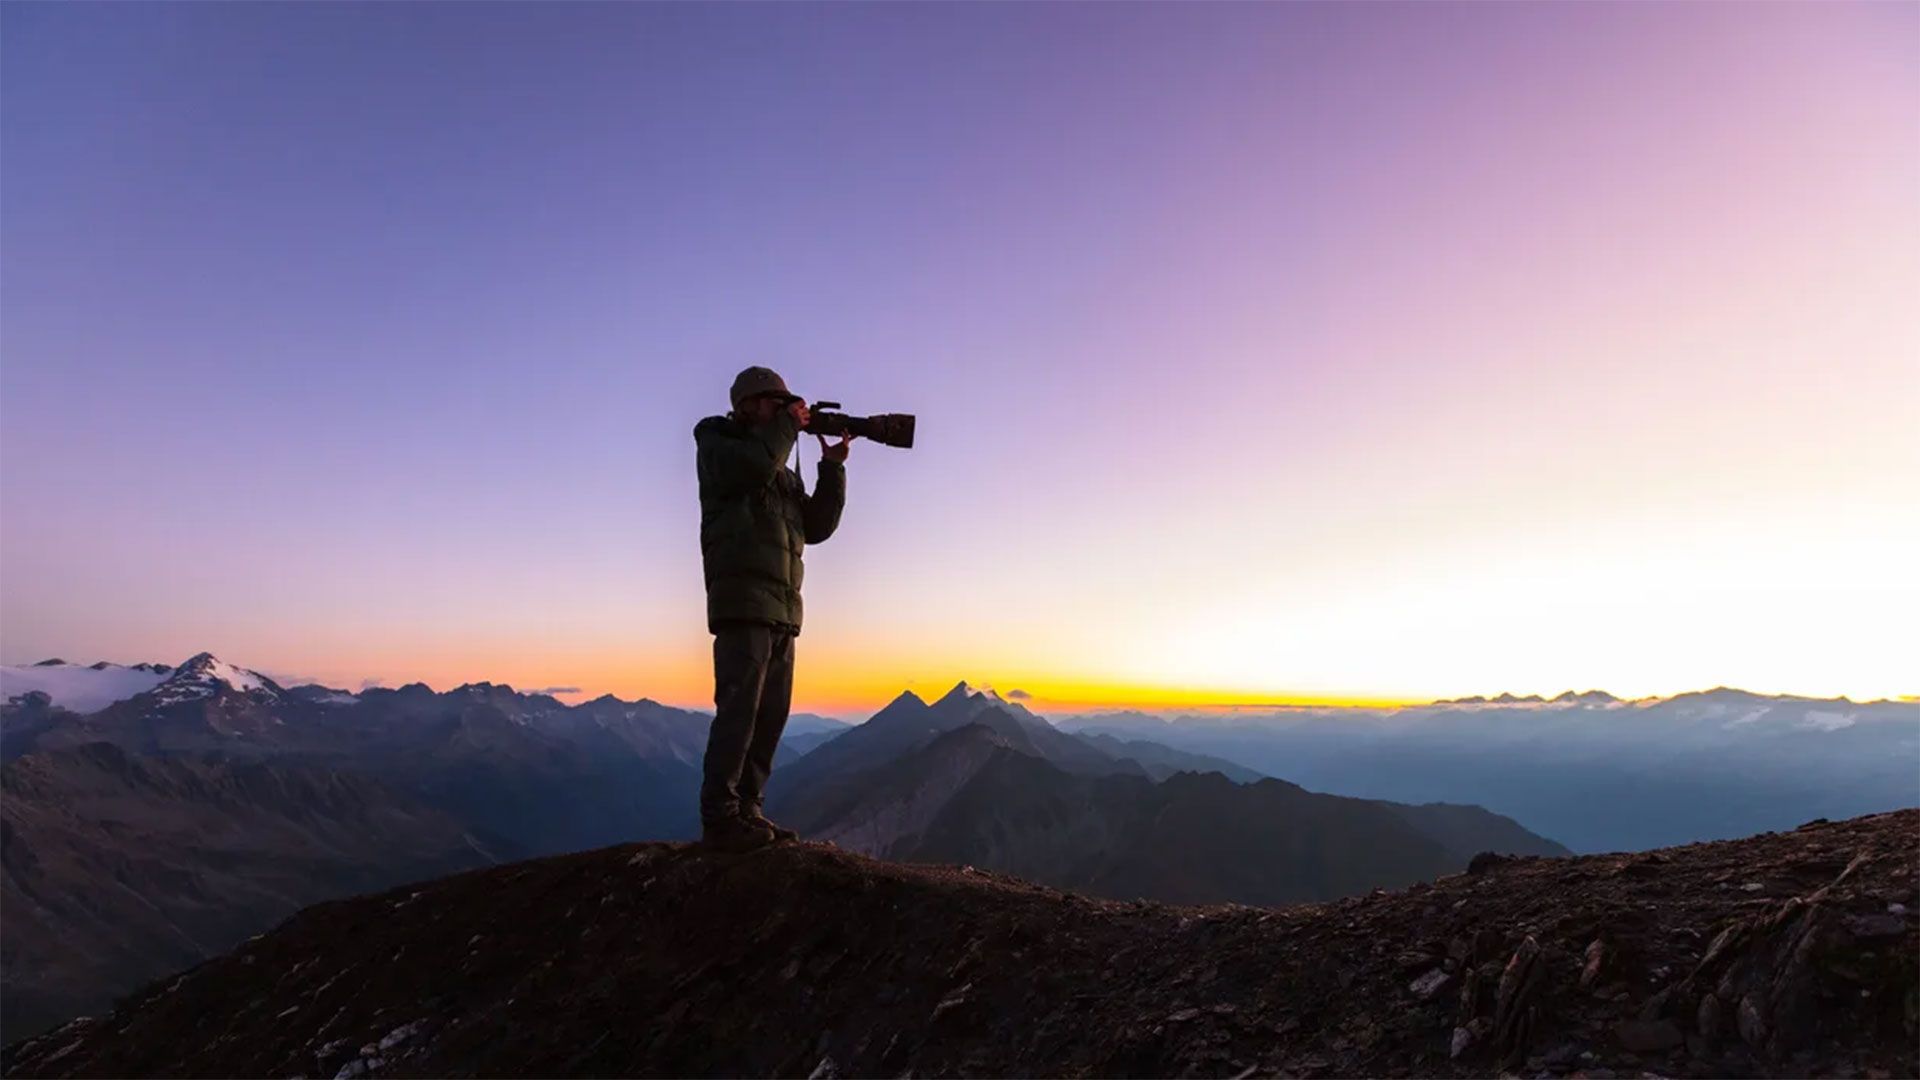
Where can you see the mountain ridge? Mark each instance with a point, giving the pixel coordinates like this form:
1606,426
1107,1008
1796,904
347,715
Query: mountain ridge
1783,954
10,673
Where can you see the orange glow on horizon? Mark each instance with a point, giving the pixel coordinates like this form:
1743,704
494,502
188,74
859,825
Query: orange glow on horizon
857,695
844,688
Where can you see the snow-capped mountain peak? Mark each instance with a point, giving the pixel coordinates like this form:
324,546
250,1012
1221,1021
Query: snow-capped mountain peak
205,675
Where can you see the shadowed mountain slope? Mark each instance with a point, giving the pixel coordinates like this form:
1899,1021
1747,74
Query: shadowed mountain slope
115,869
1784,954
1162,761
974,796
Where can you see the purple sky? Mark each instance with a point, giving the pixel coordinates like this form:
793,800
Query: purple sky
1263,350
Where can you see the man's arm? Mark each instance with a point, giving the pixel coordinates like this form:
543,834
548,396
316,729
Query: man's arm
736,465
822,513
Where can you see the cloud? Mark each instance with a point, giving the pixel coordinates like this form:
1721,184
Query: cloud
1019,695
373,684
554,691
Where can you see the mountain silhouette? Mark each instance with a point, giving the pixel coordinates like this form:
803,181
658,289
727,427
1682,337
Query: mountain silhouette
1104,804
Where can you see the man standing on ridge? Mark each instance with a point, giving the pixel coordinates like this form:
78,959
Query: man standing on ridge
755,517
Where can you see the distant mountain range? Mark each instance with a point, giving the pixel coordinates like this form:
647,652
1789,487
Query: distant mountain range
971,778
1590,697
1593,771
155,813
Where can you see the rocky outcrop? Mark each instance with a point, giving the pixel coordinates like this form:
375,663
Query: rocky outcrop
1783,954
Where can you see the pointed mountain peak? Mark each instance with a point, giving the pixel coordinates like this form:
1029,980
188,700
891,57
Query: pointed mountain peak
960,692
908,707
966,691
204,675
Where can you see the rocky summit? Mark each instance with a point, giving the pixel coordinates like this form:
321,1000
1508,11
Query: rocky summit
1784,954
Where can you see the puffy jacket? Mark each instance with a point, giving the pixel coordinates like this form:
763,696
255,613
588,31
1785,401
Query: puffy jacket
755,518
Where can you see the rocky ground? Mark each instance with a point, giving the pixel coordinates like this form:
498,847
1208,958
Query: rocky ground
1784,954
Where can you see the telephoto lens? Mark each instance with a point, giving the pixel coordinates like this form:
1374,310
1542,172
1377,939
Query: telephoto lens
887,429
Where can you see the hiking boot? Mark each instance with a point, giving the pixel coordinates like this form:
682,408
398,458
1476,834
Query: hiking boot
734,834
759,821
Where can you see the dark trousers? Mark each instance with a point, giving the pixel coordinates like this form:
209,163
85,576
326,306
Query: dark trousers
752,691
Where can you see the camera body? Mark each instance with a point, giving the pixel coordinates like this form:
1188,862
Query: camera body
888,429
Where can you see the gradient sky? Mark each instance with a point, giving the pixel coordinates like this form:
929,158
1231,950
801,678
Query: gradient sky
1261,352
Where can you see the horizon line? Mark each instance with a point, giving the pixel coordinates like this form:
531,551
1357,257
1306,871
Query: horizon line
1143,704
